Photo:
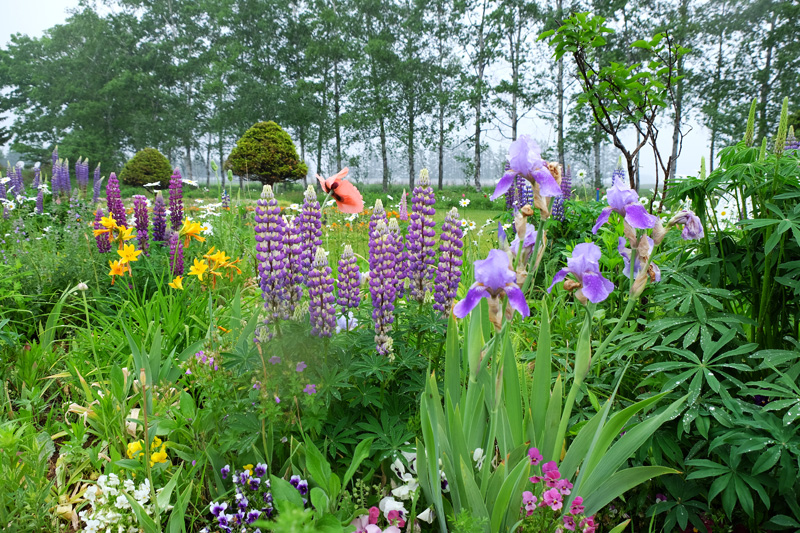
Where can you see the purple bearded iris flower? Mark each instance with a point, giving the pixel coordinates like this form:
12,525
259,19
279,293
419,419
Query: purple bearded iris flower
639,260
625,201
527,244
585,266
692,227
493,278
524,158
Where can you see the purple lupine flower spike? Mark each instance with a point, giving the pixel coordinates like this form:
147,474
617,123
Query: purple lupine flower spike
3,195
142,221
54,158
585,266
114,201
176,253
54,180
401,259
40,202
103,243
348,280
792,143
66,183
79,172
176,200
294,276
320,294
448,274
225,199
19,185
310,229
378,213
625,201
566,194
381,286
403,210
96,185
524,159
271,253
493,279
159,218
420,241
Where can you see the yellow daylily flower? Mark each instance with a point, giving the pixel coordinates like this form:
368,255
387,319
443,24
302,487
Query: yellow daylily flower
198,269
125,234
191,230
129,254
177,283
117,269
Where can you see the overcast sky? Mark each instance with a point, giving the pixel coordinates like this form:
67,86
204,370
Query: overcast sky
33,17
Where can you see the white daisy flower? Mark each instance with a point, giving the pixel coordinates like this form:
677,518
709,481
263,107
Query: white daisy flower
464,202
193,183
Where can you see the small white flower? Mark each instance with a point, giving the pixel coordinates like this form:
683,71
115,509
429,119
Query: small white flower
472,224
464,202
152,184
389,196
581,174
37,165
209,229
193,183
4,180
464,223
426,515
506,226
295,207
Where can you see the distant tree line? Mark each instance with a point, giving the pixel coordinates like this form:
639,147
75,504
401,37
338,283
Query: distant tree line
392,77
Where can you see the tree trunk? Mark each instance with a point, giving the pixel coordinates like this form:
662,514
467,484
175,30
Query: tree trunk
221,148
209,145
411,169
717,80
321,132
441,146
672,162
477,177
301,133
384,156
189,172
598,180
765,84
337,112
560,95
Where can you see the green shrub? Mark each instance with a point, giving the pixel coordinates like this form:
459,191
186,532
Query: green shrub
267,154
147,166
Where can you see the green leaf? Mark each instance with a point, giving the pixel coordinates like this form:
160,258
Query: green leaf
166,493
502,507
619,483
540,389
318,467
144,520
319,500
361,452
621,527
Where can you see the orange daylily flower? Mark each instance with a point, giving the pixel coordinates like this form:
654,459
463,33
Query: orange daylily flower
117,269
191,230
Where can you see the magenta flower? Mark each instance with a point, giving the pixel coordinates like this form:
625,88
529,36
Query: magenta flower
493,278
310,389
577,506
638,261
552,499
692,227
524,159
535,456
584,265
569,523
625,201
529,501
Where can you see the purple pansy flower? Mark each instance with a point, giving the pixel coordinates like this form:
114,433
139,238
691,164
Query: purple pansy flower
585,266
692,227
625,201
217,508
493,278
225,470
639,261
524,158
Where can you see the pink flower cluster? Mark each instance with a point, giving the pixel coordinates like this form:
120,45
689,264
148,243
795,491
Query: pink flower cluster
553,497
369,523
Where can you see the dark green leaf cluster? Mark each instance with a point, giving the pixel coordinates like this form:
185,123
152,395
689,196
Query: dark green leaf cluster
267,154
147,166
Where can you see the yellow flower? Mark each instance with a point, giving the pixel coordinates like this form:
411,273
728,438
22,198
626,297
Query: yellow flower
198,269
191,229
108,222
177,283
117,269
125,234
134,449
248,469
160,456
220,258
129,254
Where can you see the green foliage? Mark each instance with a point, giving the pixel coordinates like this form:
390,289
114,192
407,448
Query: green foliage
147,166
267,154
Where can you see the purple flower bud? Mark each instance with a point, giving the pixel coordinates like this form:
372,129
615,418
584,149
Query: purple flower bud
176,200
159,218
348,280
103,243
403,211
310,230
320,294
142,221
114,201
381,285
40,202
176,254
271,253
448,273
98,181
420,242
293,274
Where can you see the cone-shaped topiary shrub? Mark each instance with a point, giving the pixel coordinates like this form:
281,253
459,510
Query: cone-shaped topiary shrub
267,154
147,166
